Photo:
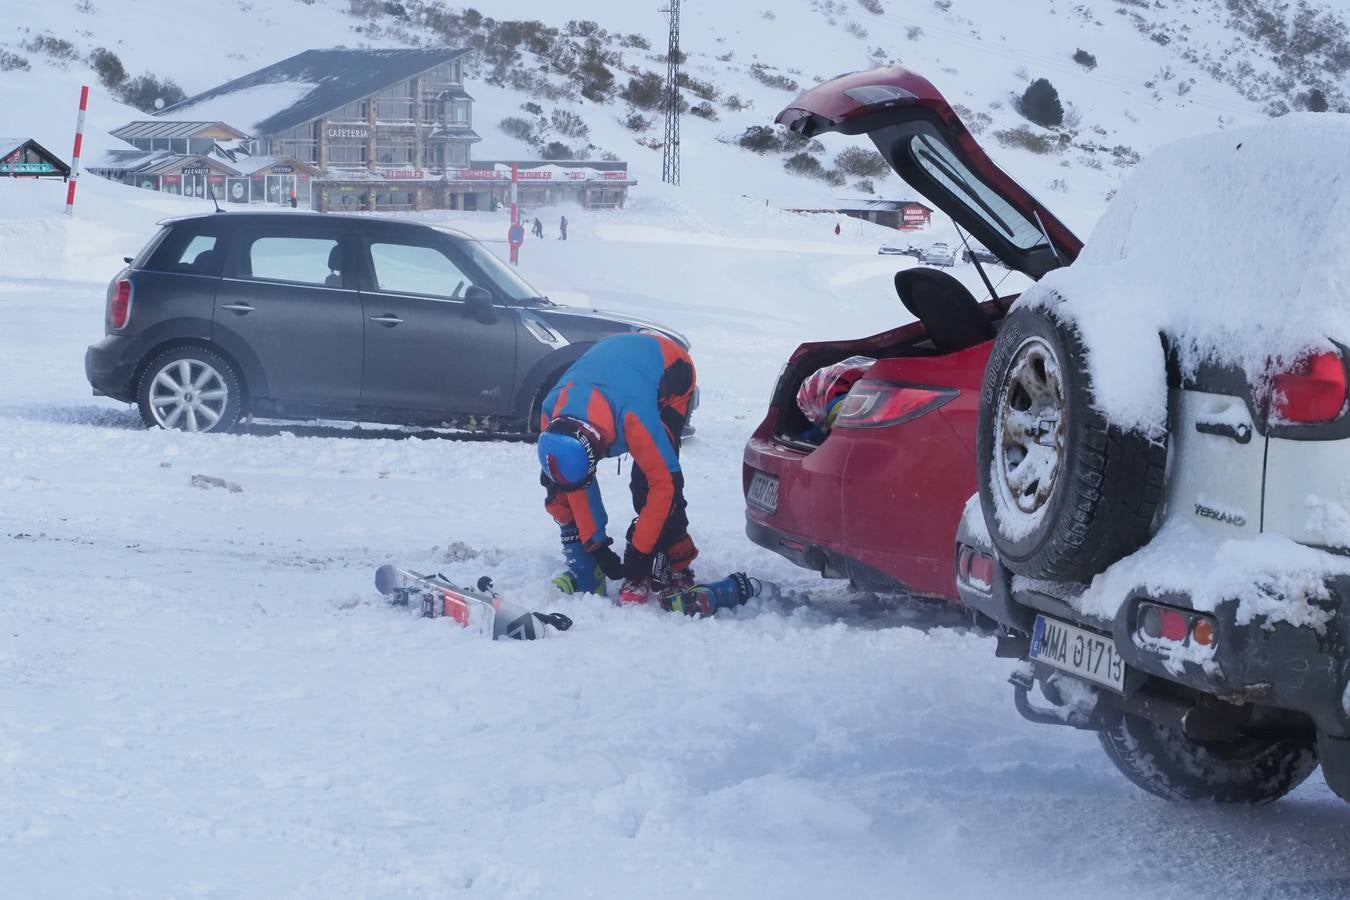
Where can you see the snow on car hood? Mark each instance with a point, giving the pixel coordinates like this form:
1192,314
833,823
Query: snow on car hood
1230,244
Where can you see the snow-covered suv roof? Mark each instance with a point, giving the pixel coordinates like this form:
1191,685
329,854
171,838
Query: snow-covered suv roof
1232,245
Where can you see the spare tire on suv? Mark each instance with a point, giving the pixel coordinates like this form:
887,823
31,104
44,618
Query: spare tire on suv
1064,492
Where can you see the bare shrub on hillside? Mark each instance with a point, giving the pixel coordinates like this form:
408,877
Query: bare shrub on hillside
856,30
569,124
636,122
645,91
1024,138
861,162
704,110
520,129
58,49
12,62
873,6
1085,59
761,73
704,90
111,73
557,150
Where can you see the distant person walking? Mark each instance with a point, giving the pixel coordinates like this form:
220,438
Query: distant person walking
562,228
294,200
538,229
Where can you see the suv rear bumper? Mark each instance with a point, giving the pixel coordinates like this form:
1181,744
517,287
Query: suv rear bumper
110,367
1271,664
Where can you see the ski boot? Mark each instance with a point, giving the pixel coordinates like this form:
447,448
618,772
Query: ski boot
634,593
569,583
583,575
702,600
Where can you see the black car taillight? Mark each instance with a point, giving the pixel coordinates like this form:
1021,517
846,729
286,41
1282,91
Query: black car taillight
1314,392
119,304
871,404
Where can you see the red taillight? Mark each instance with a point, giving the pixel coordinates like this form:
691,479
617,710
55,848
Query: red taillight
1316,392
1175,627
873,403
975,568
119,305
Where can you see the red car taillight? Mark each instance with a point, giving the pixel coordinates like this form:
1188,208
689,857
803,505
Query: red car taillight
119,304
1315,392
873,403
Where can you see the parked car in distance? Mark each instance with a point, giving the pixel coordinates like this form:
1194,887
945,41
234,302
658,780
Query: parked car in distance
939,254
889,250
971,254
231,315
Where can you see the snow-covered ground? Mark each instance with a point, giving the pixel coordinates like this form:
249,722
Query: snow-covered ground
203,696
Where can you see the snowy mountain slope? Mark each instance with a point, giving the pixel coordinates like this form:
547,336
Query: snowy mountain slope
1161,71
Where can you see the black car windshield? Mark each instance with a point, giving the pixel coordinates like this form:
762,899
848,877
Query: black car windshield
940,164
512,287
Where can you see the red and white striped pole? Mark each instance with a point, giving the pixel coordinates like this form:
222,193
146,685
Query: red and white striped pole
75,155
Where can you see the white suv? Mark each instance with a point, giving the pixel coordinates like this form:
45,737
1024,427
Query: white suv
1162,530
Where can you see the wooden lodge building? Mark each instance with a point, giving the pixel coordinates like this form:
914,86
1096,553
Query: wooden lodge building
342,130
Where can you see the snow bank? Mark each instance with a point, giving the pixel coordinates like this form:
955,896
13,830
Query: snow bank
1232,244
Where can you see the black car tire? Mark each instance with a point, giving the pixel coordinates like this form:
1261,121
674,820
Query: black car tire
1162,760
206,370
1090,489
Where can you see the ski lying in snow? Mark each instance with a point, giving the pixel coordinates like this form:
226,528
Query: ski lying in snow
479,610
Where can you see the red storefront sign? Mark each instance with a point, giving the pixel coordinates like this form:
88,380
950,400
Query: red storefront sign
614,176
414,174
480,175
915,214
216,179
536,175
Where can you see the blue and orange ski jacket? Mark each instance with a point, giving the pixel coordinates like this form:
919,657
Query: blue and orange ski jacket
633,389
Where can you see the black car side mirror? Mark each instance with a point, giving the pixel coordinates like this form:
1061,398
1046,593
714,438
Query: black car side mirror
478,303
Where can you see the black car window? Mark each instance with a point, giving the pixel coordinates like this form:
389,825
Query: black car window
186,250
302,260
416,269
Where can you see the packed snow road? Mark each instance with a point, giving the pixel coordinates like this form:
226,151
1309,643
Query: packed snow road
203,696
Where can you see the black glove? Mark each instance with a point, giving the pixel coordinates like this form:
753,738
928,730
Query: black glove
607,560
637,566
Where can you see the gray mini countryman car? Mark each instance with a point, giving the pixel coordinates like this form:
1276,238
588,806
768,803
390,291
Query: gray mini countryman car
226,316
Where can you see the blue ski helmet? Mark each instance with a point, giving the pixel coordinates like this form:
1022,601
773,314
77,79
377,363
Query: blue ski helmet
568,453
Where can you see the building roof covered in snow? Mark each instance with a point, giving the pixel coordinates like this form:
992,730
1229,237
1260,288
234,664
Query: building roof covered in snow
165,128
308,85
153,162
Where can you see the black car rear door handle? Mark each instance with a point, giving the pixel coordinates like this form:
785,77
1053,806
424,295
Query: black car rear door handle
387,321
239,309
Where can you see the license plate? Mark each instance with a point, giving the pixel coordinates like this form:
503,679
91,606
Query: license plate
763,492
1077,651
